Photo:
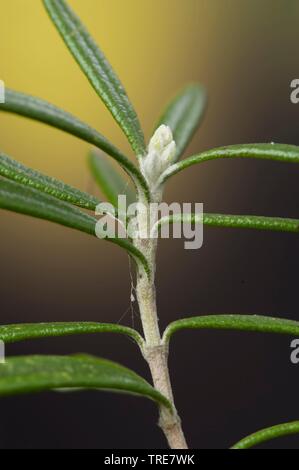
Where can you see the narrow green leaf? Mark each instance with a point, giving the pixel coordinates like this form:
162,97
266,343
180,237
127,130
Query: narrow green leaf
42,111
109,180
25,176
254,323
184,115
17,198
268,434
276,152
24,200
276,224
98,70
26,331
31,374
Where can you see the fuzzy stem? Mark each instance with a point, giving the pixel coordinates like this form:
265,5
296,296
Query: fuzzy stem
169,422
155,352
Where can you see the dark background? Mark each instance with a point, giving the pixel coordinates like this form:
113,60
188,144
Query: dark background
227,385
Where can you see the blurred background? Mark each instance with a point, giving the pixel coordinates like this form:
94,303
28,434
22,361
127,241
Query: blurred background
227,385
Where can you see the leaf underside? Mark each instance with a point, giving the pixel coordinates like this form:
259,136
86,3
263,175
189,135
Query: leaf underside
26,331
98,70
31,374
268,434
276,152
250,323
276,224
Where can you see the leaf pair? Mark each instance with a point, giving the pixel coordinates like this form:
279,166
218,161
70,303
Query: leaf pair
41,373
250,323
29,192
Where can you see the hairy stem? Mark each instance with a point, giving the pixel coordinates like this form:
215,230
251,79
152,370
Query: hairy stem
169,422
155,352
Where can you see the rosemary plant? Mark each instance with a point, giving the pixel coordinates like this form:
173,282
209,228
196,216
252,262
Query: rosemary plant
27,191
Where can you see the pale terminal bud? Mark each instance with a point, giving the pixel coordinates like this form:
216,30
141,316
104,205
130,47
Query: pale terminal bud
161,154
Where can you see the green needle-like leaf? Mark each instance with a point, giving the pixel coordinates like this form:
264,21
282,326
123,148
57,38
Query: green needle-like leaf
268,434
254,323
30,374
14,170
17,198
276,224
184,114
29,201
109,180
42,111
98,70
276,152
26,331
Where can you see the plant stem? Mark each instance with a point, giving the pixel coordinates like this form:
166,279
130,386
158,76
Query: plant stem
169,422
155,352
